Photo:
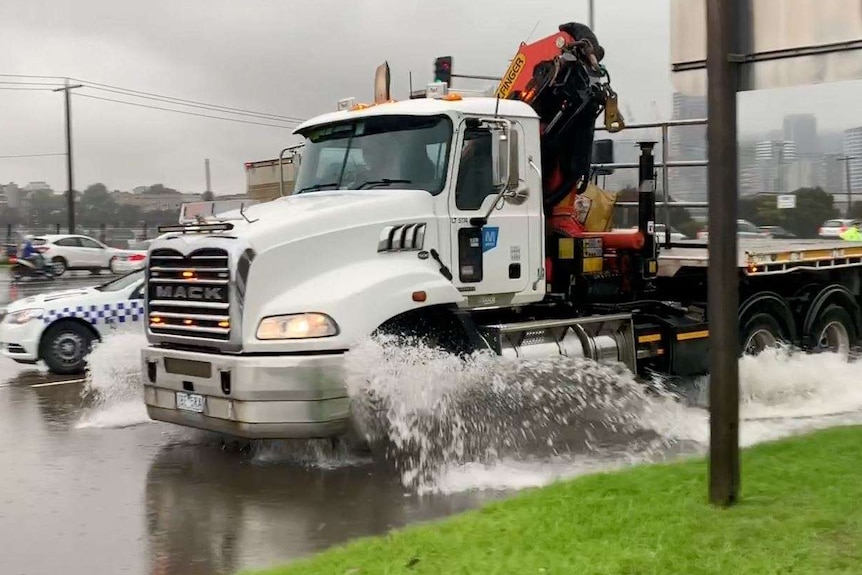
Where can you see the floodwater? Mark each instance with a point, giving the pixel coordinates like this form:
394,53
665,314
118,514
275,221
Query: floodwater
89,485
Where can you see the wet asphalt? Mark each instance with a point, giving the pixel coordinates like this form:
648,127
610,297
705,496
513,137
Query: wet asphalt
84,495
149,498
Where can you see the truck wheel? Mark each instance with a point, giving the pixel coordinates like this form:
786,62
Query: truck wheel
65,346
760,332
834,331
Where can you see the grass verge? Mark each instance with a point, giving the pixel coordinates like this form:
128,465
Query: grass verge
801,512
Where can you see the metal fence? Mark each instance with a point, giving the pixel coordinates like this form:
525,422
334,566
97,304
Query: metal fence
664,164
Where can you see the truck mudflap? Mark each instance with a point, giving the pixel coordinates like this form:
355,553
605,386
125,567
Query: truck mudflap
253,397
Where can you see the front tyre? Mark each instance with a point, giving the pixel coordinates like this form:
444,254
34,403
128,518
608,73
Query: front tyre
65,346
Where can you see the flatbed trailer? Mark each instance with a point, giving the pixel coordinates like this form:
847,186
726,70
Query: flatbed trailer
766,256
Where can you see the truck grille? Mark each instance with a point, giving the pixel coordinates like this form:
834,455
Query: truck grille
189,296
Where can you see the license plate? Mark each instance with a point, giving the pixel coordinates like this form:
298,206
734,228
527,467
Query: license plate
190,402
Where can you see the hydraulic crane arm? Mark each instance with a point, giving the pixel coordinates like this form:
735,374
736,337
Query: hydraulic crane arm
562,78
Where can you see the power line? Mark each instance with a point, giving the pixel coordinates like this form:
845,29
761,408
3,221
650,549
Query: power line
33,155
26,88
99,86
167,99
212,108
181,111
32,76
32,83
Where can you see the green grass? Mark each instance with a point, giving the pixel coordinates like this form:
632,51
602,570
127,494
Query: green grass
800,512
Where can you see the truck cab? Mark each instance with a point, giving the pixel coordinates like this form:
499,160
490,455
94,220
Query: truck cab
399,208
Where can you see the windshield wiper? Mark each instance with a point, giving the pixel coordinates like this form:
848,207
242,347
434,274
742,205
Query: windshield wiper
317,187
383,182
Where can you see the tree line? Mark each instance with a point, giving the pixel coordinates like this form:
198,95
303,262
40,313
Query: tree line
93,207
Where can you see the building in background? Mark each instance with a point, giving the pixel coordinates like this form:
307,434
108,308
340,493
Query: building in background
853,149
688,143
153,202
774,160
262,178
801,129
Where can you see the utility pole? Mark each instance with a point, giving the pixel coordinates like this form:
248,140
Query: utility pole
723,283
70,192
846,160
207,170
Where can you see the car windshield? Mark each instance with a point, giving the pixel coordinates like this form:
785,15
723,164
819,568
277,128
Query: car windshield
744,226
833,224
123,282
406,152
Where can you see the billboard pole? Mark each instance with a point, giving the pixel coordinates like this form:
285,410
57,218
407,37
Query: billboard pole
723,281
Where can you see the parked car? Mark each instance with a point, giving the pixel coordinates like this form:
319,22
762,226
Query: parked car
834,228
60,327
744,229
778,232
136,259
74,252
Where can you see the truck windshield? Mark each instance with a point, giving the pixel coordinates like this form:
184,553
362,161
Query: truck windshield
406,152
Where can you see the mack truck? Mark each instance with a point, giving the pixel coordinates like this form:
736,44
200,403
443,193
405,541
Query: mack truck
467,224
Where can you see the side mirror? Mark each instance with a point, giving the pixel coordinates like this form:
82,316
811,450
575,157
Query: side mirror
505,157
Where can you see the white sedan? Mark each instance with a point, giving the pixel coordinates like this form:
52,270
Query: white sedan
60,327
73,252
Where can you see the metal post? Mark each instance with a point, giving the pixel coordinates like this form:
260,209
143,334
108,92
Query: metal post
646,207
723,284
70,192
592,15
665,179
207,170
846,160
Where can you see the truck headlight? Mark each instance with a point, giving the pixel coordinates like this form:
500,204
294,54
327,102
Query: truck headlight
24,316
297,326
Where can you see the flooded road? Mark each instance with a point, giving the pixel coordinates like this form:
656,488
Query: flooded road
89,485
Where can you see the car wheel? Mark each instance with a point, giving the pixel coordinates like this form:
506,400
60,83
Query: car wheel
65,346
112,267
60,266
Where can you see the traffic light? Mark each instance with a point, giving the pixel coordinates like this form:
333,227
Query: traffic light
443,69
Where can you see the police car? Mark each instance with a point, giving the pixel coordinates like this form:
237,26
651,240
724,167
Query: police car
60,327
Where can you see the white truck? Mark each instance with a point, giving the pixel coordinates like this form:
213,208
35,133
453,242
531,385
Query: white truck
441,217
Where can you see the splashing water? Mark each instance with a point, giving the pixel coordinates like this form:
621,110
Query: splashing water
113,385
428,409
485,422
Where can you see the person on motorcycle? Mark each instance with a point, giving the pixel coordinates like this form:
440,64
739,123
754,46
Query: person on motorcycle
29,253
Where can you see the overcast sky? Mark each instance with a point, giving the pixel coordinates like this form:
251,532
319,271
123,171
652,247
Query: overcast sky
293,59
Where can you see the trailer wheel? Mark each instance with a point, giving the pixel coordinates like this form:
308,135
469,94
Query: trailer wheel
833,331
761,332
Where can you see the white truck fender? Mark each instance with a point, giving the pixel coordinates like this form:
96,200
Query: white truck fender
360,297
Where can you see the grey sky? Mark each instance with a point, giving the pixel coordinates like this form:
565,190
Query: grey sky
296,59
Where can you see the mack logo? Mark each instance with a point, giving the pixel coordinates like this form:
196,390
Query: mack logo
190,292
511,75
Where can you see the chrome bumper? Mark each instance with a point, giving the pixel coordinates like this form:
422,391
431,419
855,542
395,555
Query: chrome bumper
253,397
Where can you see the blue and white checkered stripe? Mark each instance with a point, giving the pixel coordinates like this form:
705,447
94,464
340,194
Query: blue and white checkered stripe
119,312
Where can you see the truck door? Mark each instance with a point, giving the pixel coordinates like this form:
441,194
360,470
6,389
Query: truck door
491,260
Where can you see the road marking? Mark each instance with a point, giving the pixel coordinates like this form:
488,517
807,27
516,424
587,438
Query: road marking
64,382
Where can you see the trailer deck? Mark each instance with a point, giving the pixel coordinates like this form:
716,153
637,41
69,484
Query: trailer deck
766,256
